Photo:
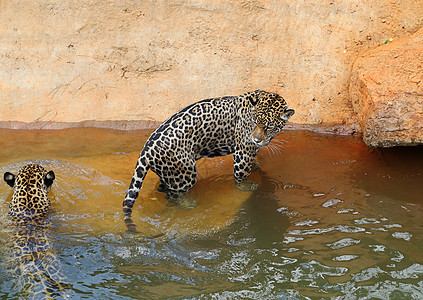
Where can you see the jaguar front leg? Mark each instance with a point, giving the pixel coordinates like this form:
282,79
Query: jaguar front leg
255,166
243,166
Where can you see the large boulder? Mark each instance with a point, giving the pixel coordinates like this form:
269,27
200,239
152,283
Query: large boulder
386,91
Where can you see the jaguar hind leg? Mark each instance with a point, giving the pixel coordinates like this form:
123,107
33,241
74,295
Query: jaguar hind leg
162,188
177,179
182,200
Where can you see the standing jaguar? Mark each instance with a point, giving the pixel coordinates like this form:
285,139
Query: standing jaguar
208,128
29,255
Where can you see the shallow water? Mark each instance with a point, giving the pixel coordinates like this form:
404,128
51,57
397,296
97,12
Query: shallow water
332,218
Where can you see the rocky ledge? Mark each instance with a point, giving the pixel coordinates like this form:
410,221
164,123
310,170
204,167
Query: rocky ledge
386,90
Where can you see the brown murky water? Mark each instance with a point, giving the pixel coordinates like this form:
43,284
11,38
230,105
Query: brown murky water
332,218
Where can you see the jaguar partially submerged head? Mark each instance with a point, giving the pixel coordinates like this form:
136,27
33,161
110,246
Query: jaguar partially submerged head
270,114
30,188
28,253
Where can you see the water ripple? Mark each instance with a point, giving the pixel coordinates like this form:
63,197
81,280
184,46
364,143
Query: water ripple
345,242
402,235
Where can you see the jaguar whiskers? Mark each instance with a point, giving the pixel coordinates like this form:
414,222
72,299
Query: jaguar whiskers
275,147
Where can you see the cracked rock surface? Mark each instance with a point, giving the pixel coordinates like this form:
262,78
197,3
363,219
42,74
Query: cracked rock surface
386,91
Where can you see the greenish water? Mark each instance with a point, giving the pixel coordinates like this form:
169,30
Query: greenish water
331,219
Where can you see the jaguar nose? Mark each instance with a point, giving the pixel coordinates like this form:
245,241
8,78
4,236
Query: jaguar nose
257,136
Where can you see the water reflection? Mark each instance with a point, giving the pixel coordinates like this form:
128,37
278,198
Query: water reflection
332,218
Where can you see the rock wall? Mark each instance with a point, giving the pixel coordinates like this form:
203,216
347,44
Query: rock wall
66,62
386,90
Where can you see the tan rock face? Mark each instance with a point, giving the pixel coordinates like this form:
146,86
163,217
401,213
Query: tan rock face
73,61
386,90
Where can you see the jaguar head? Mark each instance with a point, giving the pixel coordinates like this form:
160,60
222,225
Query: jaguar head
270,114
30,187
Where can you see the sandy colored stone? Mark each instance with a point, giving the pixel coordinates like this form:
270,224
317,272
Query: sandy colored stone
387,92
77,61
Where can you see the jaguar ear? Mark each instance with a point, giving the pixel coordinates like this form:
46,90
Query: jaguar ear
287,114
9,178
48,180
253,97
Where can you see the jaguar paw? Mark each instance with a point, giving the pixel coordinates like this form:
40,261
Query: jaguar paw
247,185
255,166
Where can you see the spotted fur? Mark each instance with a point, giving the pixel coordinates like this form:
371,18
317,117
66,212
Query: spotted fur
30,256
30,188
209,128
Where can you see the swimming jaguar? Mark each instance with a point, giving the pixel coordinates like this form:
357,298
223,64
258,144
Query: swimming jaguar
30,256
213,127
